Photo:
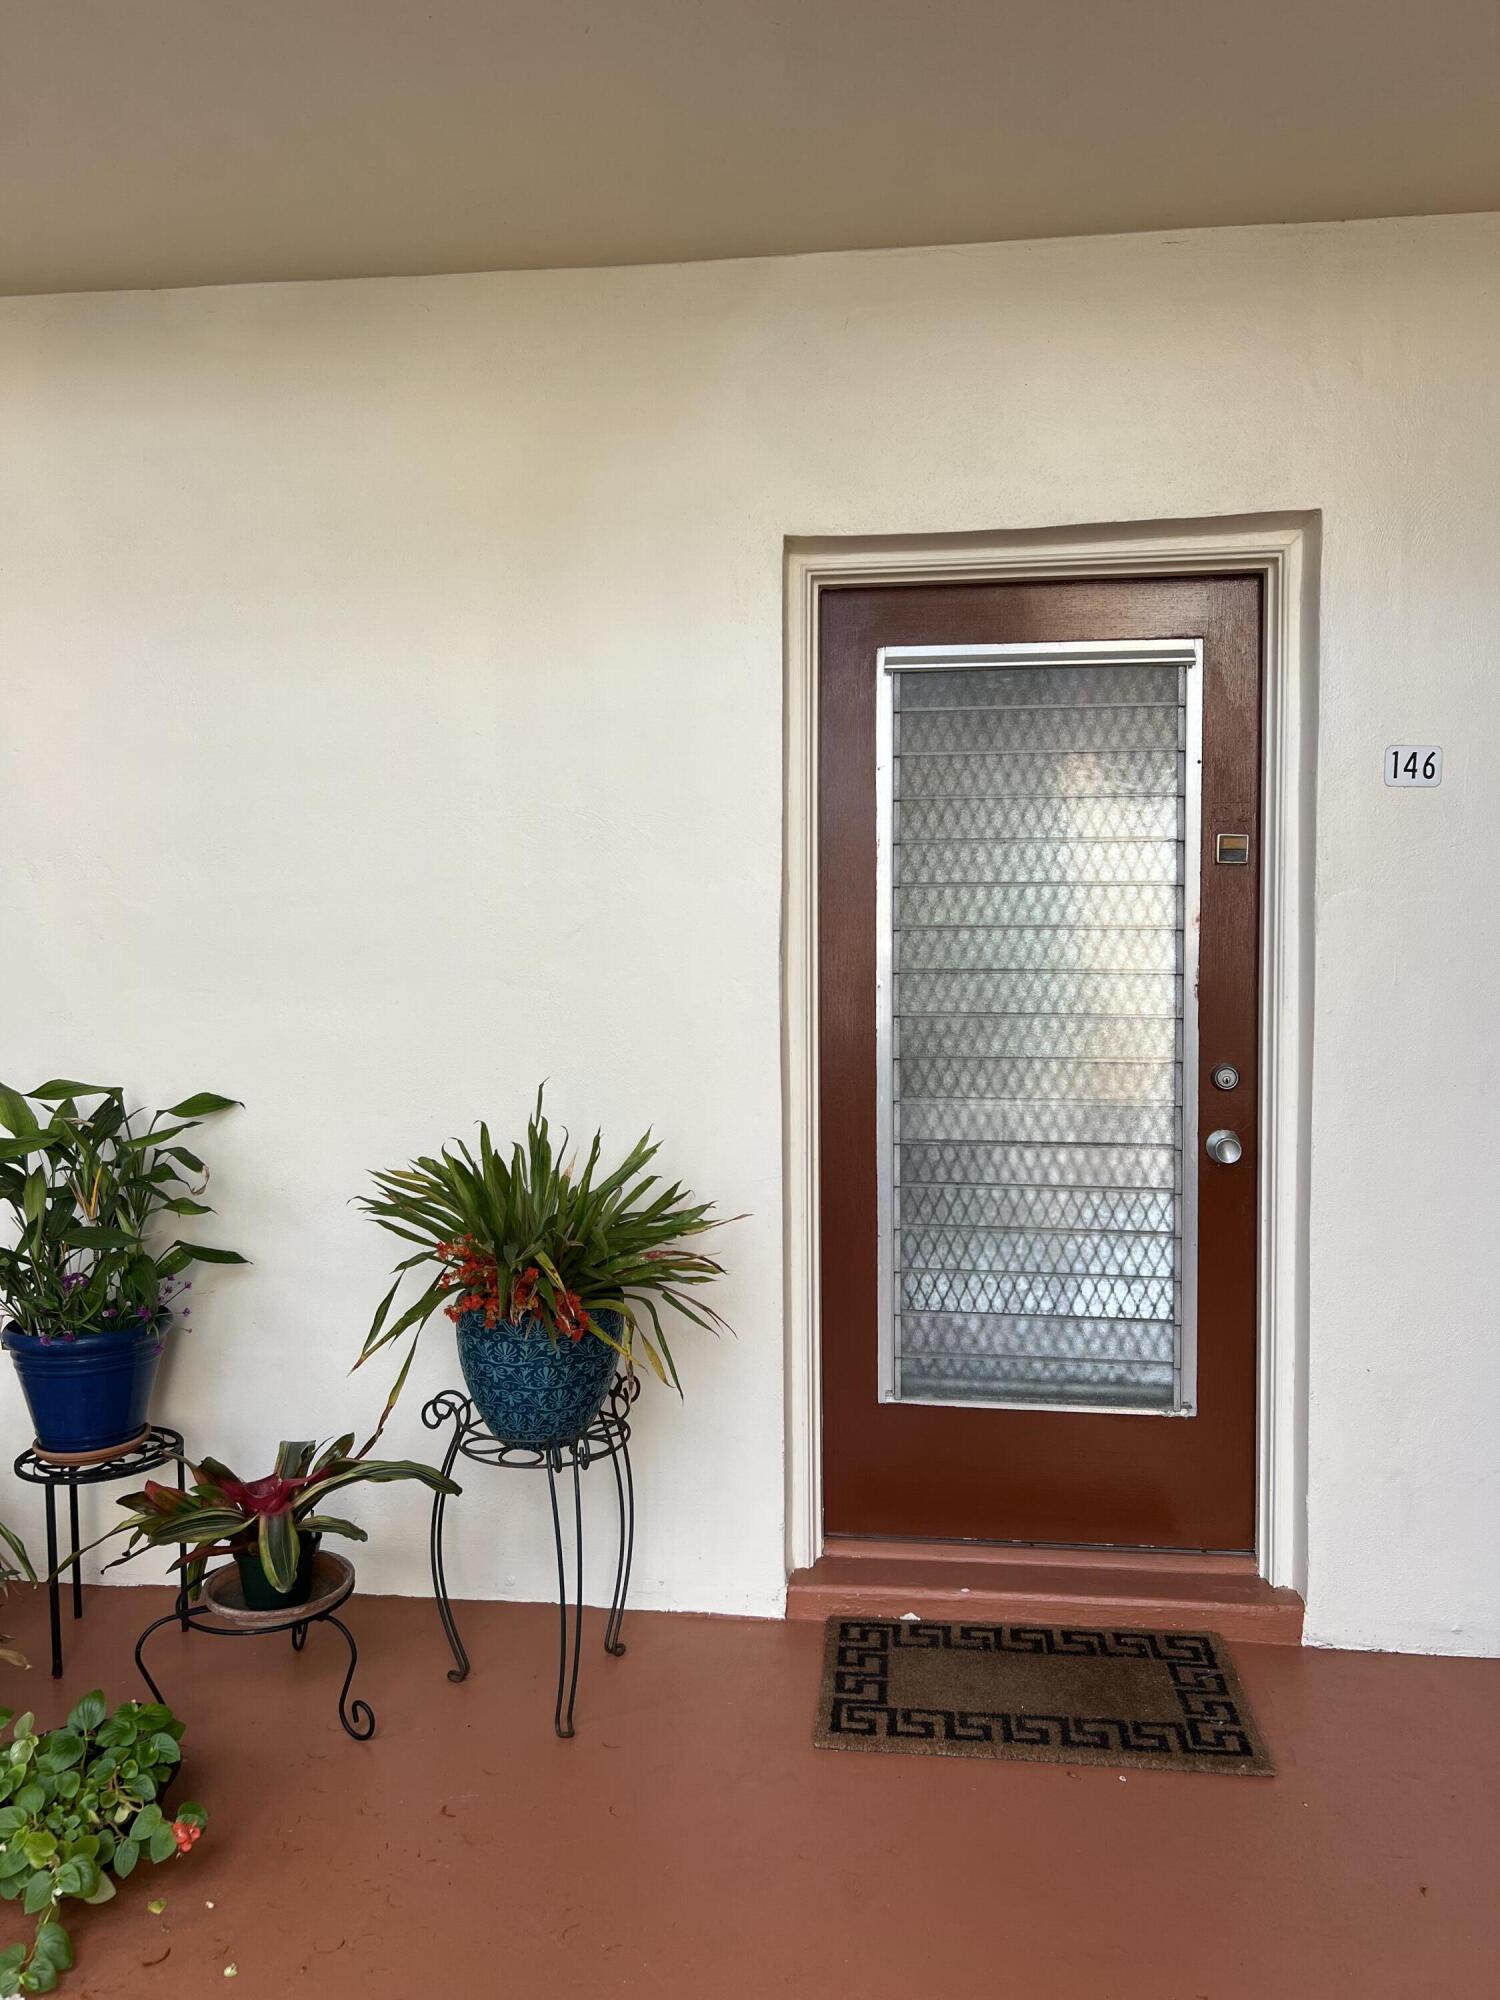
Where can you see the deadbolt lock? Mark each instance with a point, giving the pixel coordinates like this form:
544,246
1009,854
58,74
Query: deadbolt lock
1226,1076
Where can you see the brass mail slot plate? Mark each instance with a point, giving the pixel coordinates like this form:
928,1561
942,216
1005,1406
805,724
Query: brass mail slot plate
1232,849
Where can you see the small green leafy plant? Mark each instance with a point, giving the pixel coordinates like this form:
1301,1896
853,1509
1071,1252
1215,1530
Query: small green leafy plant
80,1806
523,1240
85,1188
224,1515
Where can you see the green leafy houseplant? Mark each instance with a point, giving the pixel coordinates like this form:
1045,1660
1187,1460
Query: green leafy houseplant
85,1188
268,1518
523,1240
80,1806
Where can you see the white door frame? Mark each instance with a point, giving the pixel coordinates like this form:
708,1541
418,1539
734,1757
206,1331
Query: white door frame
1282,550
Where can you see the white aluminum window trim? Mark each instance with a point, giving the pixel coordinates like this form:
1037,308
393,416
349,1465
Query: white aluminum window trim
1184,653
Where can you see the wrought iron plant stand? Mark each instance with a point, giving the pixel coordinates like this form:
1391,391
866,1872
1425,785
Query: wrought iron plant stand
220,1612
159,1445
607,1436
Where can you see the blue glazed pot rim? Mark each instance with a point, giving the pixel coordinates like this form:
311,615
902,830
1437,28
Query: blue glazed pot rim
534,1328
15,1338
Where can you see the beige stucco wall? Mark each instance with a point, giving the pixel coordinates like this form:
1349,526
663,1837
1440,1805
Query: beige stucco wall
391,684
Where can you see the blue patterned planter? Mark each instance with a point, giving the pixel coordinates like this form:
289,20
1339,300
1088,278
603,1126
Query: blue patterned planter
530,1389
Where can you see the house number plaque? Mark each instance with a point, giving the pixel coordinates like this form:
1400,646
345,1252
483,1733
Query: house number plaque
1413,764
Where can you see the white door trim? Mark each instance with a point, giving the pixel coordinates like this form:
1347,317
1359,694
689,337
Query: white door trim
1282,550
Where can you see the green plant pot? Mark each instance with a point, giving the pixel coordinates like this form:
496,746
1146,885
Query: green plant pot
260,1593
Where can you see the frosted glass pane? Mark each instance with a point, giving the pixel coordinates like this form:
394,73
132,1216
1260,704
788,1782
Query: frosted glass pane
1012,731
1035,899
1039,686
1102,1036
1060,774
1026,948
1061,859
1005,817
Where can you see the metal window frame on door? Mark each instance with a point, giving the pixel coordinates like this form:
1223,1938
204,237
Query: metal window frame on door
890,660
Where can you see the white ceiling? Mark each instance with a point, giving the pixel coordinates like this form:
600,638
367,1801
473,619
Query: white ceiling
189,142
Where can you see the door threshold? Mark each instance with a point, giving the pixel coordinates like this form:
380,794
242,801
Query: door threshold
1006,1585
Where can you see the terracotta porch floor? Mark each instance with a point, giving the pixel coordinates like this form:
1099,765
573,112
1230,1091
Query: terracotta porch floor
690,1841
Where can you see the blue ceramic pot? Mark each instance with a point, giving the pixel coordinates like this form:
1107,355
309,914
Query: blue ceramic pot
89,1393
530,1389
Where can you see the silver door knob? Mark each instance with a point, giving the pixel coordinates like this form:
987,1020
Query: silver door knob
1224,1147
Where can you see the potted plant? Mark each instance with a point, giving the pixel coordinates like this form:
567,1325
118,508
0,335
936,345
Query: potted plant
546,1274
85,1296
79,1807
270,1526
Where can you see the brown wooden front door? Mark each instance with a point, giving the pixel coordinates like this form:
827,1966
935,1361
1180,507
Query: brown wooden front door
1039,870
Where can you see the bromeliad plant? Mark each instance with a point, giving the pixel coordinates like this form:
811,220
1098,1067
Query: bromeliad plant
525,1240
224,1515
79,1807
86,1188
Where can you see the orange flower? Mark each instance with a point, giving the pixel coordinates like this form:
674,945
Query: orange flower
571,1317
477,1273
185,1834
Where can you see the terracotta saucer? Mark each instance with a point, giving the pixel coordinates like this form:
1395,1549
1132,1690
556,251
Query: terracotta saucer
223,1595
100,1457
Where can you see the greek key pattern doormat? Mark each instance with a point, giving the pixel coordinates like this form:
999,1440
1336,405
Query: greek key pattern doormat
1050,1694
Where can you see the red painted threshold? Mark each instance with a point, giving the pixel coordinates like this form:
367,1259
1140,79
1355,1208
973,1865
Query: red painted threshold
1053,1586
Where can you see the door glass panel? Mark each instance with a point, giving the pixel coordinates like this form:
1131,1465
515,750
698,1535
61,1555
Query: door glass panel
1037,1039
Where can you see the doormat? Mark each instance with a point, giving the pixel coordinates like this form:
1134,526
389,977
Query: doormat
1048,1694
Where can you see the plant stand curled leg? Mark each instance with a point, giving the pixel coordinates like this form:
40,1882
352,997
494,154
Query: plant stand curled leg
168,1618
357,1717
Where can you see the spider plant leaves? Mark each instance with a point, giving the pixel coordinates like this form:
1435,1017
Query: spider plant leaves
413,1316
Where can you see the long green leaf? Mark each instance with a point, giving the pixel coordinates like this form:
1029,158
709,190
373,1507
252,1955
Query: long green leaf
202,1104
16,1115
60,1087
280,1548
201,1253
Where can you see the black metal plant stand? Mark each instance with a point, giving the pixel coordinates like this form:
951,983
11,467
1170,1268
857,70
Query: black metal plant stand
608,1436
159,1446
356,1717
